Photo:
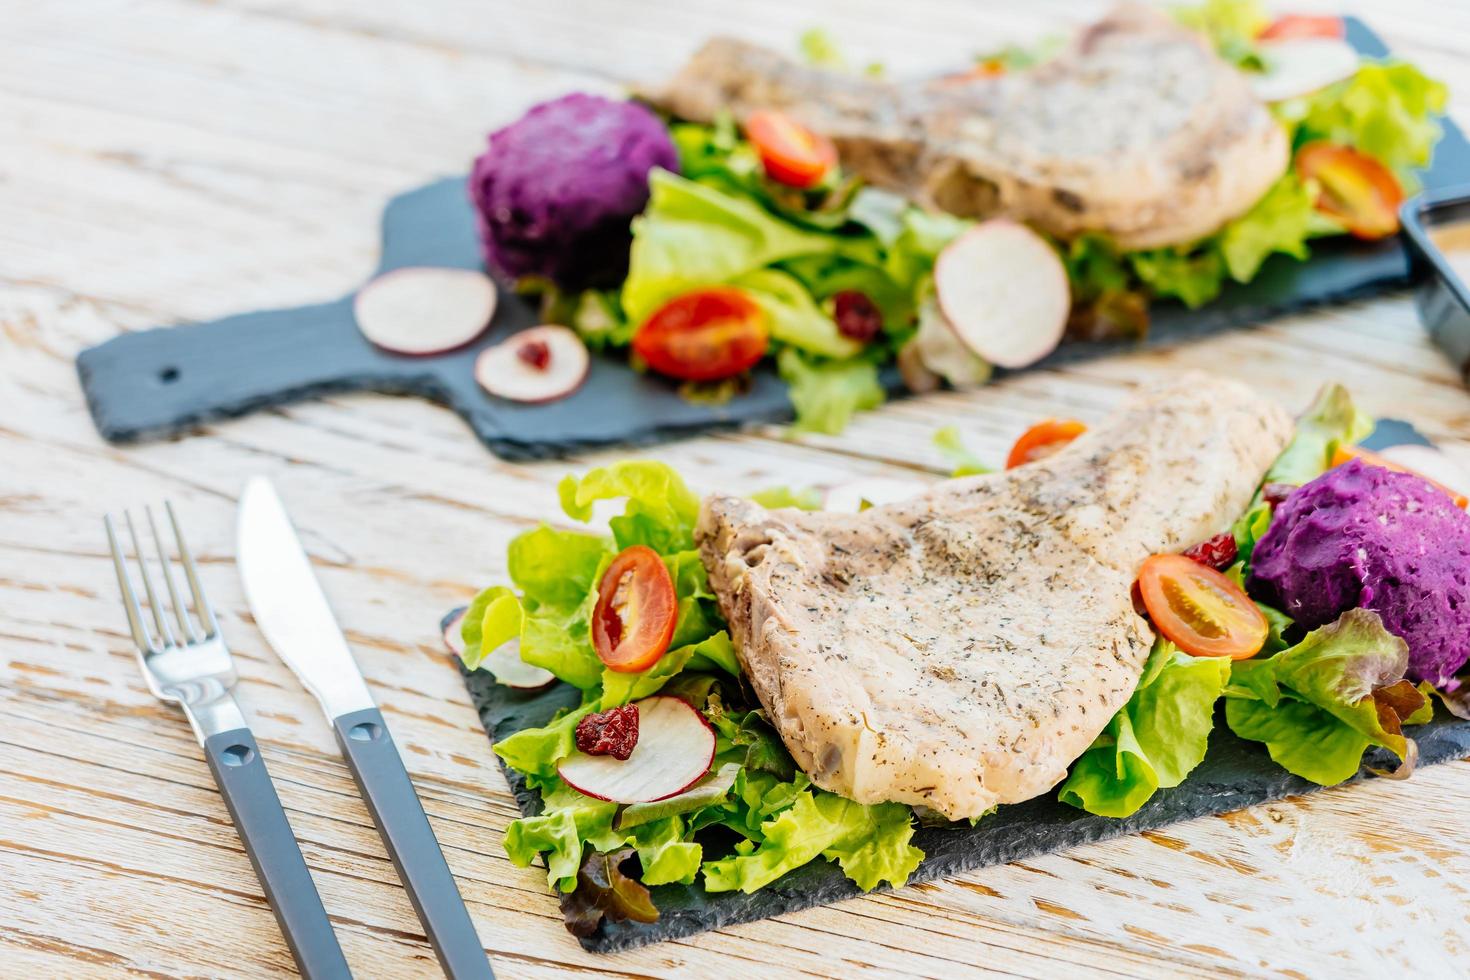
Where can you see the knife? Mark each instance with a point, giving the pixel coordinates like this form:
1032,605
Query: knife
291,610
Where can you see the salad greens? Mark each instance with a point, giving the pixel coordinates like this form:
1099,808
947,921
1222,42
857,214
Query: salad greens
755,790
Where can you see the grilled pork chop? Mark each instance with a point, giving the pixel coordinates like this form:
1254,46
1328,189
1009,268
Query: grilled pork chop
1138,131
963,648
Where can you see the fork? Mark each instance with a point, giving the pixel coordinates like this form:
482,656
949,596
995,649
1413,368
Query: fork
193,669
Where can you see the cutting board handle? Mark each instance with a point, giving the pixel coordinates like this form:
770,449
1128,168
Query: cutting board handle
160,382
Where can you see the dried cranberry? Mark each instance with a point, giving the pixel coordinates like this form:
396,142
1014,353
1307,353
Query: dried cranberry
1217,552
535,353
1275,494
857,316
612,732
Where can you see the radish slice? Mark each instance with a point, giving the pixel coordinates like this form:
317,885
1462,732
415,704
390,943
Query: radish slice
1431,463
940,350
1301,66
859,495
509,669
452,637
504,661
915,373
1004,292
675,749
537,365
424,309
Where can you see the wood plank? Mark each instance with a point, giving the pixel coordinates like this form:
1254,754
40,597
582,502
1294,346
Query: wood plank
181,160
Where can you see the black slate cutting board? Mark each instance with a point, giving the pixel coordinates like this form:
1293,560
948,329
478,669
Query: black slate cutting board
166,381
1235,773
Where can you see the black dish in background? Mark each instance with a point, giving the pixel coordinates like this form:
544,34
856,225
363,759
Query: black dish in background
1441,297
157,383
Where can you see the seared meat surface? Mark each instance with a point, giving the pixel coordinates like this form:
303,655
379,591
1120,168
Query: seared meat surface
1138,131
961,649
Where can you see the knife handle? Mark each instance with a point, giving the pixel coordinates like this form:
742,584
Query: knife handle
240,772
395,808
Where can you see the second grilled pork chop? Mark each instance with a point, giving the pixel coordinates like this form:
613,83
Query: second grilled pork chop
1138,131
963,648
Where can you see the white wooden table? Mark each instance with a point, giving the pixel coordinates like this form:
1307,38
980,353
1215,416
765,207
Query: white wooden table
176,159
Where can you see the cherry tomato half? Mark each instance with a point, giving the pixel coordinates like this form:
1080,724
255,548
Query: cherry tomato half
1301,25
792,154
1043,439
704,335
1345,453
633,620
1351,188
1202,611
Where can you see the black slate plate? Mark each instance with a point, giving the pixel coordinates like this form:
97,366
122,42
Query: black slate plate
165,381
1235,773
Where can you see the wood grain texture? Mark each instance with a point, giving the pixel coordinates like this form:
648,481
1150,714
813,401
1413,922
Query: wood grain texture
172,159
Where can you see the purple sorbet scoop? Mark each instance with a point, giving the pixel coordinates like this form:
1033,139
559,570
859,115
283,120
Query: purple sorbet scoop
557,189
1363,536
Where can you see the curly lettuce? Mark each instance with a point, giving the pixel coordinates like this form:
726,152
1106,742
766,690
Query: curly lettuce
1156,740
1318,706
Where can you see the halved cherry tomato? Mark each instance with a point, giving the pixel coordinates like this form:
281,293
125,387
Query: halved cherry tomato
1301,25
792,154
1202,611
1345,453
1043,439
1351,188
633,620
704,335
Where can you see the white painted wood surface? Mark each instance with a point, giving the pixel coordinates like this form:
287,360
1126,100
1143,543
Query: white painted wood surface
175,159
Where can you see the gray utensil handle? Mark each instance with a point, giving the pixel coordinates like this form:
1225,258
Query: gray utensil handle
395,808
256,809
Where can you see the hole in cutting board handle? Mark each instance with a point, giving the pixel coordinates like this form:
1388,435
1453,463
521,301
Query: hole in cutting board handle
168,375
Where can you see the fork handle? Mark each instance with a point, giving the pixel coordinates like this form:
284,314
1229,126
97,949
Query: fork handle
256,809
395,808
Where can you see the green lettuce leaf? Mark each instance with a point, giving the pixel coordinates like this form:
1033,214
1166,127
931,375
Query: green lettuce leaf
1231,25
1332,421
871,843
1281,221
555,568
775,498
793,316
472,621
664,852
692,235
1191,276
1320,704
536,751
1387,111
1156,740
826,394
952,446
660,511
715,652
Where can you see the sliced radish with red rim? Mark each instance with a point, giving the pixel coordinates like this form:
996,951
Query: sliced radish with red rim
424,309
1003,290
675,749
509,669
1302,65
504,662
541,364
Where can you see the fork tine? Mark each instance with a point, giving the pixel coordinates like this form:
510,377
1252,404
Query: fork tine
186,624
130,601
164,633
202,608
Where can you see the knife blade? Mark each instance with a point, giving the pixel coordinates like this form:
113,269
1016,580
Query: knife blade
292,612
